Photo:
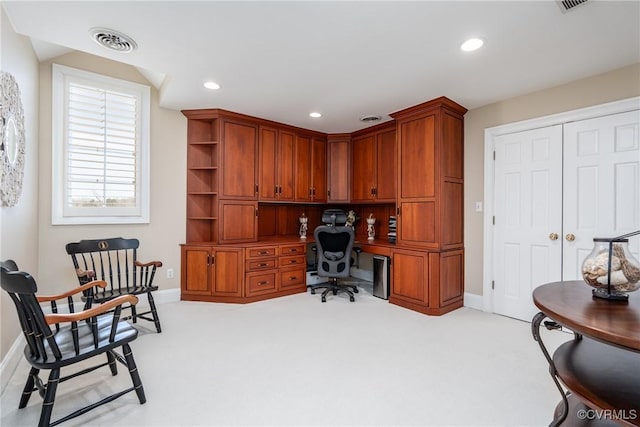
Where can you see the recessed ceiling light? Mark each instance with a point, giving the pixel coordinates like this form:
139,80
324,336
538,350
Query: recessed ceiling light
315,115
212,85
472,44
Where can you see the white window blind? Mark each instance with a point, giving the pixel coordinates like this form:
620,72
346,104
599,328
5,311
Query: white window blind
100,152
101,148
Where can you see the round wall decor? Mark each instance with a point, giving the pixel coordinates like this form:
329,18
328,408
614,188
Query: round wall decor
12,143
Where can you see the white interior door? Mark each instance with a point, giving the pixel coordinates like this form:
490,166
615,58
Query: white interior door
528,212
601,185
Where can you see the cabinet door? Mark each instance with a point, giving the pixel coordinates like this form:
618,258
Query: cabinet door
195,271
239,221
364,170
267,169
410,272
319,170
286,165
385,185
303,169
418,215
239,156
338,171
228,272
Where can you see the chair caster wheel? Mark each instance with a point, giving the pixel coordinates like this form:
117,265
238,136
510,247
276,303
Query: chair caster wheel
356,290
352,299
324,299
313,291
335,291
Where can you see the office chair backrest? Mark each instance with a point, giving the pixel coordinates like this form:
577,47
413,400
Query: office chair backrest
334,217
334,245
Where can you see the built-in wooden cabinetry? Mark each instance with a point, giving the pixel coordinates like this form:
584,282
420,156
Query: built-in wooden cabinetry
373,164
238,166
310,169
429,207
276,164
338,170
430,175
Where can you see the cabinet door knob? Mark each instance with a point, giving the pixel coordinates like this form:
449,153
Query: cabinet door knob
553,236
570,237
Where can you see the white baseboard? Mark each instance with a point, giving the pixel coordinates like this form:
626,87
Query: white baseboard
10,361
473,301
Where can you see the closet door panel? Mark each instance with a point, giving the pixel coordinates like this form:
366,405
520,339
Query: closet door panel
601,184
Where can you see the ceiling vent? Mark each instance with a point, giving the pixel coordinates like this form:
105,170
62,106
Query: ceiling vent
567,5
113,40
368,119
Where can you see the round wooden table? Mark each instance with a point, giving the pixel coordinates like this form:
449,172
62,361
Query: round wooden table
601,366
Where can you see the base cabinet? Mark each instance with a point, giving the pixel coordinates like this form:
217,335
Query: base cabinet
428,282
241,274
211,272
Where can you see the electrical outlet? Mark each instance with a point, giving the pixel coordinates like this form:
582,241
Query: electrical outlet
169,273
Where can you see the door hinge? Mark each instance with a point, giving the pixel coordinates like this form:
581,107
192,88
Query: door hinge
256,188
494,220
494,155
256,211
493,285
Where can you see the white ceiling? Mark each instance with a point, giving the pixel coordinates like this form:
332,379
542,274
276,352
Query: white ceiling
282,60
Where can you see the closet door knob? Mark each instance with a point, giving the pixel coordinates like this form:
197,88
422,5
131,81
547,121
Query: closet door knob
570,237
553,236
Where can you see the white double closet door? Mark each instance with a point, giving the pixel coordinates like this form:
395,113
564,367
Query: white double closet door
555,189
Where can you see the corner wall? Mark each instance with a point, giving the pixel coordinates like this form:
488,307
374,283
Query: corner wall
19,223
611,86
160,239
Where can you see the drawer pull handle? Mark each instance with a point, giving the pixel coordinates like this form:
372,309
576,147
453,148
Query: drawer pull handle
263,265
265,282
293,261
292,278
263,252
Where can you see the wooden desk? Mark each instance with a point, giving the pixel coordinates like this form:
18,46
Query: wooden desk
601,366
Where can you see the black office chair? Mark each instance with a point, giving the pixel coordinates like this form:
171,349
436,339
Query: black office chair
334,243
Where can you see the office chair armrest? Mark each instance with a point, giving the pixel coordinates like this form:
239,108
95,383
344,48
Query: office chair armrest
86,286
149,264
92,312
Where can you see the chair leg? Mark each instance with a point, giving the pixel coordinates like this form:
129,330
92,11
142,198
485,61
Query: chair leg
112,363
28,388
134,314
49,398
133,371
156,319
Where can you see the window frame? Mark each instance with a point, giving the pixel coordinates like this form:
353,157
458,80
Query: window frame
61,214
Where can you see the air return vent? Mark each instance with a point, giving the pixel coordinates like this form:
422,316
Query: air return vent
567,5
113,40
368,119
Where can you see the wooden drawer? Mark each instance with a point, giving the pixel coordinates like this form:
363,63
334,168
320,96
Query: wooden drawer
292,278
261,252
292,261
261,264
261,283
297,249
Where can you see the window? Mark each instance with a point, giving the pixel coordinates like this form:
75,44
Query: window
100,149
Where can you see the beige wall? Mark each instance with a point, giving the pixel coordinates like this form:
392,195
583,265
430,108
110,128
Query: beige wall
612,86
19,223
160,239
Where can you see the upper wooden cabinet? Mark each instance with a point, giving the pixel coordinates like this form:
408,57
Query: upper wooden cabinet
373,164
276,164
310,183
239,157
338,171
430,175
